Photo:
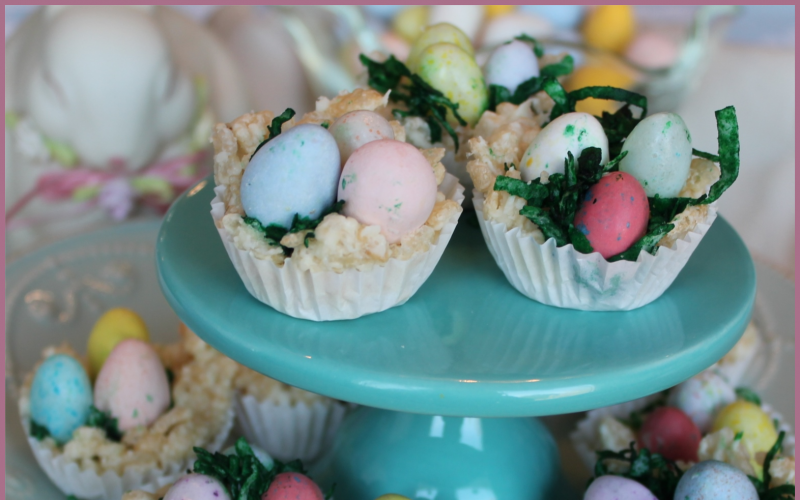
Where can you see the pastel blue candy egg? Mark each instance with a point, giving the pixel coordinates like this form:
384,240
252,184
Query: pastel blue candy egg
659,154
61,396
562,16
511,64
260,454
295,173
714,480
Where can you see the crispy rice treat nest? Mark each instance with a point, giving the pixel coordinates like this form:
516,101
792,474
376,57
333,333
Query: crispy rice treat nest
339,242
203,397
502,137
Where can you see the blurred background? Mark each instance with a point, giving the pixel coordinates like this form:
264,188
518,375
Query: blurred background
142,102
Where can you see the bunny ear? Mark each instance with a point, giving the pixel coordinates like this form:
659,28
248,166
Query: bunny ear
51,11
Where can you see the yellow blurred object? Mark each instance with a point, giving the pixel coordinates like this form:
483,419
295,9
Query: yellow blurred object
410,22
498,10
392,496
609,27
758,431
597,76
113,327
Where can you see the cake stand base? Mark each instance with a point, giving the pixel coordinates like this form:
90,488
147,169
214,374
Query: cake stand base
443,458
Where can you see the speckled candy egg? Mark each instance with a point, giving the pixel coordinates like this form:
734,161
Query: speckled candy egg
617,488
659,154
61,396
714,480
511,64
390,184
132,385
292,486
701,397
758,431
438,33
671,433
294,173
570,132
110,329
450,70
197,487
260,454
613,214
357,128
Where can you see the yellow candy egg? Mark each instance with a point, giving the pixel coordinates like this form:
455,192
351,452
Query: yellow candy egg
498,10
113,327
392,496
597,76
410,22
609,27
758,431
438,33
450,70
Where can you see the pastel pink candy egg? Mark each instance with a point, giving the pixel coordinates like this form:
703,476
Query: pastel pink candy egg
357,128
292,486
613,214
197,487
390,184
617,488
652,50
132,385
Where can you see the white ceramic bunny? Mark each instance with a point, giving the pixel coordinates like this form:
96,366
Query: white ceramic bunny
107,108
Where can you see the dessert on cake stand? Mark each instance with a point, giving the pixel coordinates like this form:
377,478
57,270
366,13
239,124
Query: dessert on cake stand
449,380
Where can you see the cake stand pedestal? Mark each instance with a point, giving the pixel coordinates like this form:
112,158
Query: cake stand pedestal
436,375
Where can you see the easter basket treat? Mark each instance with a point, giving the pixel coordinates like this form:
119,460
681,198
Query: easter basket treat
702,419
596,214
440,92
135,429
289,423
242,472
333,216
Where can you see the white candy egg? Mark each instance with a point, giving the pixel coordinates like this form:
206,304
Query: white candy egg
294,173
571,132
511,64
357,128
659,154
701,397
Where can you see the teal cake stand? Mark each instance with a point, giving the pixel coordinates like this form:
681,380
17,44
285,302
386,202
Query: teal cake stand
448,381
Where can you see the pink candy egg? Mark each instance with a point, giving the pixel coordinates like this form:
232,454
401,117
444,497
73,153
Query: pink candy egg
617,488
197,487
614,214
132,385
390,184
292,486
652,50
670,432
357,128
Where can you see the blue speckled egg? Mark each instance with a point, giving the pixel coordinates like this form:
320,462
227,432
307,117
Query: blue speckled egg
562,16
260,454
197,487
659,154
511,64
617,488
714,480
294,173
61,396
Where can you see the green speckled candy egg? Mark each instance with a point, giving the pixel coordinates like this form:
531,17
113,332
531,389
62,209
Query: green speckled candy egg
438,33
449,69
659,154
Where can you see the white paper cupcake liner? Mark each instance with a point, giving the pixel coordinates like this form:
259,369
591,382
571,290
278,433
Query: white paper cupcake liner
289,431
89,485
586,441
564,277
327,296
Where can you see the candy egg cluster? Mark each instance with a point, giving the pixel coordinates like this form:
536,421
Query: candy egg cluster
131,384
